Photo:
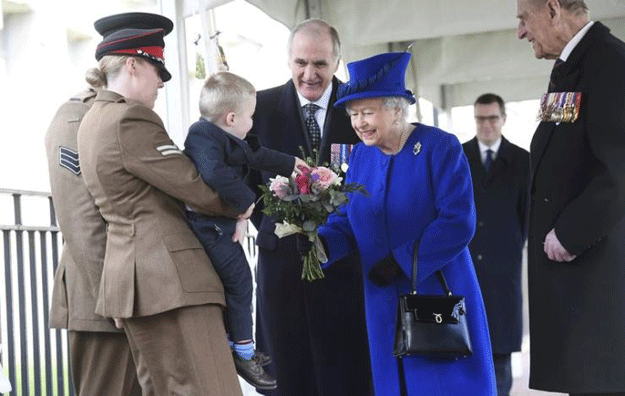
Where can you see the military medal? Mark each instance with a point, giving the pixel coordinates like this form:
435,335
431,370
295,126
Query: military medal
339,156
560,106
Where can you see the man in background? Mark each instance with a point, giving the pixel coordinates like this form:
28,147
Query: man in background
500,172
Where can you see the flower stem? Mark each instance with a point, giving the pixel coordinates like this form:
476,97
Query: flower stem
311,270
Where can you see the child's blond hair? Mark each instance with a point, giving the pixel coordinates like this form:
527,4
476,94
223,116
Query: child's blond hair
223,93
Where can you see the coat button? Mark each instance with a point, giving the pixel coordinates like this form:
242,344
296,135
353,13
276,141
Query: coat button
546,199
480,224
479,257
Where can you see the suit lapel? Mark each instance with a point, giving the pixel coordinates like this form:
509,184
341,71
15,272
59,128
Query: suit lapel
504,157
292,122
475,160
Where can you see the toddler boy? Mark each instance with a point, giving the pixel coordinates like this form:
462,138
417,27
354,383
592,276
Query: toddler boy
222,151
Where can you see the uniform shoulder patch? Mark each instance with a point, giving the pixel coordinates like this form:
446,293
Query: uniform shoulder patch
68,159
169,149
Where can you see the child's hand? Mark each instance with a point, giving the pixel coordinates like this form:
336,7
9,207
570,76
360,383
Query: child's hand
300,166
240,231
248,212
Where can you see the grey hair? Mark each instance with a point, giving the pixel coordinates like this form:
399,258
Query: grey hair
396,103
573,6
223,93
390,103
317,27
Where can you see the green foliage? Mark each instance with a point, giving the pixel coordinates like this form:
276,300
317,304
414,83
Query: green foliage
306,201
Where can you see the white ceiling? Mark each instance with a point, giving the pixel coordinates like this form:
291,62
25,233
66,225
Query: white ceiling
462,47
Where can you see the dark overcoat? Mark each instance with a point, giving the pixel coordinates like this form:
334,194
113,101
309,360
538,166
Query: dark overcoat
501,203
577,309
315,332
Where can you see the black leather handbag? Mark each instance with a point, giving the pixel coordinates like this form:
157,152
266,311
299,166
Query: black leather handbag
433,325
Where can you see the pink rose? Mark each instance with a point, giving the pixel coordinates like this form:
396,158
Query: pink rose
324,177
279,186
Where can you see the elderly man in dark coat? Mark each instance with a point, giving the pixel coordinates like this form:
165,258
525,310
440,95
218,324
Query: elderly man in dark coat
500,172
314,332
577,214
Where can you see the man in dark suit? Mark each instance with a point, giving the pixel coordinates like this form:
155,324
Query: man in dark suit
315,332
577,211
500,172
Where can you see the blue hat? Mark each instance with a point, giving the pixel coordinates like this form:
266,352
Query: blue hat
378,76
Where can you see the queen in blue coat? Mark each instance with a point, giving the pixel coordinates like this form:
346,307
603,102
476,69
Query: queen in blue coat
420,188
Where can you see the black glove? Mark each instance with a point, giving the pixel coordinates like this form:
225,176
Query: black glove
303,244
384,271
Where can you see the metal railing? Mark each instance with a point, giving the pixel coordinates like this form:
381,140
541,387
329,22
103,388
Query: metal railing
35,357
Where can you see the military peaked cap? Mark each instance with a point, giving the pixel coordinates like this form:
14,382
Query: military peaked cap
147,44
133,20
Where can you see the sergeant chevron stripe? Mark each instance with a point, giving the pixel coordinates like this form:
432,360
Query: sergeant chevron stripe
169,149
68,159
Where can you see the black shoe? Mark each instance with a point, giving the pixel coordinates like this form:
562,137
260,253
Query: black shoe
253,373
262,358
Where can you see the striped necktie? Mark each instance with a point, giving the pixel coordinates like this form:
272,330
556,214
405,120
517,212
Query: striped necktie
311,125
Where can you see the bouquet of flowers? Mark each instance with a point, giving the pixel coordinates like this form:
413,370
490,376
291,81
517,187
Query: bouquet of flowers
302,204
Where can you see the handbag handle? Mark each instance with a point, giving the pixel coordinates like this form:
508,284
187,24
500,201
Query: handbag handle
439,273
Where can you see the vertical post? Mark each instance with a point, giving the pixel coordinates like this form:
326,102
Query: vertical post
47,344
177,89
35,312
17,207
59,343
314,9
52,212
9,304
21,295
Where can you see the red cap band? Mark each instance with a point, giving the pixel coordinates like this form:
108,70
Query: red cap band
155,51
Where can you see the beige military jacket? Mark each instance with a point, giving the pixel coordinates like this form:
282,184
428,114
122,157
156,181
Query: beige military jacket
140,179
77,277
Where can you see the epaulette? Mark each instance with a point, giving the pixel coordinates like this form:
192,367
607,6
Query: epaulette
84,96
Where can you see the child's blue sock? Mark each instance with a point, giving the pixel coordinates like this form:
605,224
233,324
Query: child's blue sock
245,351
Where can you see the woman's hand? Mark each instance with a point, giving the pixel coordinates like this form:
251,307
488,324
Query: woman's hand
240,231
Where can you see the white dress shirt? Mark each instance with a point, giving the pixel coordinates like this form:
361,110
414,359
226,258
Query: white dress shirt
494,148
323,102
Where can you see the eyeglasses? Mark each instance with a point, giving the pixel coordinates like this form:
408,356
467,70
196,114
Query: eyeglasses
491,119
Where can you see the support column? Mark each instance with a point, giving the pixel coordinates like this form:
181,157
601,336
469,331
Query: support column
176,89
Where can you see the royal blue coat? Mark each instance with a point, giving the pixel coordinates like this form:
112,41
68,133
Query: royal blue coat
424,192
